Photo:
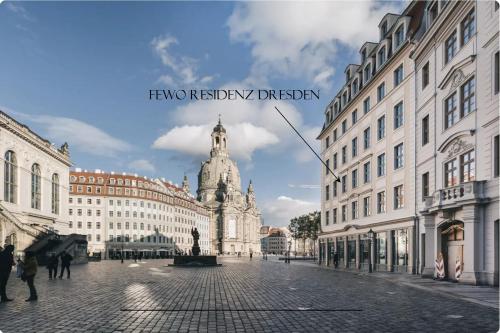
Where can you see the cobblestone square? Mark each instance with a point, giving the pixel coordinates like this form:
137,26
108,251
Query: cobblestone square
240,296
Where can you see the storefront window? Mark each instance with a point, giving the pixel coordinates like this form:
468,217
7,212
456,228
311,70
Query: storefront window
401,247
381,252
364,249
340,249
351,251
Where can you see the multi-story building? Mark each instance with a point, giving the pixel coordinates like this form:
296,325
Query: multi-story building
33,192
367,141
457,138
127,214
274,240
440,167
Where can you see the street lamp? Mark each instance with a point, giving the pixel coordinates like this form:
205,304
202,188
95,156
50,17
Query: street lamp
289,246
122,248
370,239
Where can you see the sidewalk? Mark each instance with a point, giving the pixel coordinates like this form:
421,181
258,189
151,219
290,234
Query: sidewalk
484,295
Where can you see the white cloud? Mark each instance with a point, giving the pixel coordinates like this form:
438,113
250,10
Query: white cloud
195,140
183,68
299,39
304,186
251,125
79,135
280,211
19,10
142,165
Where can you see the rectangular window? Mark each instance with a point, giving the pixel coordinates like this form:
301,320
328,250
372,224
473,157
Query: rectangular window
334,135
327,142
425,130
334,215
334,188
496,72
381,165
450,47
467,92
366,105
344,154
398,197
496,156
468,27
380,92
467,167
366,138
327,218
451,110
366,172
354,147
398,115
381,128
381,56
327,167
344,184
367,73
354,178
425,185
425,75
366,206
398,156
398,75
354,116
354,210
344,213
327,192
344,126
334,161
451,173
381,202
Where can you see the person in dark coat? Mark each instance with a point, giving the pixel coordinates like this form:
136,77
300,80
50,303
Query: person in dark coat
52,266
6,263
65,263
30,269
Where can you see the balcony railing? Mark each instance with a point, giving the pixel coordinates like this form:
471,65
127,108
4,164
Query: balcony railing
470,191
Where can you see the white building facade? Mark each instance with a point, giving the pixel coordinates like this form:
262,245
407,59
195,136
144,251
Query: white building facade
34,190
450,134
124,214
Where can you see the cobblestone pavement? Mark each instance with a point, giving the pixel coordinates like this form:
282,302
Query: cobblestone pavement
241,296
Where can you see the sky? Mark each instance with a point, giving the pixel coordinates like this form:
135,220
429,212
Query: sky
80,72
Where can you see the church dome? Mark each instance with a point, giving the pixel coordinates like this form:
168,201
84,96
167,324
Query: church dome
216,167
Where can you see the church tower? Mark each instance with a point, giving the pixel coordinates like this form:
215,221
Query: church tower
219,141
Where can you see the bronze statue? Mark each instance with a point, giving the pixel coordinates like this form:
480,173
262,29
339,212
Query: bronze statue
196,247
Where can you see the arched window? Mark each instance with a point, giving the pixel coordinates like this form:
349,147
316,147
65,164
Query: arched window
10,177
36,190
55,193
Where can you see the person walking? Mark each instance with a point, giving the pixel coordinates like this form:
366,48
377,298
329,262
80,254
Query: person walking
6,263
65,263
30,269
52,266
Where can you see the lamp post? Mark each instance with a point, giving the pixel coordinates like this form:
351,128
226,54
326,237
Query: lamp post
289,246
370,239
122,248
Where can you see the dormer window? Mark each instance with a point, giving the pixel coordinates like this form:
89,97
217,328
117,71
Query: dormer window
347,75
367,73
381,56
383,30
363,55
344,98
432,13
355,87
398,36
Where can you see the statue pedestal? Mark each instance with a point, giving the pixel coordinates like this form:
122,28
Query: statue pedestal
195,261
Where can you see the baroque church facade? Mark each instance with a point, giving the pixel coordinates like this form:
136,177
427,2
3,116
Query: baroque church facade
235,220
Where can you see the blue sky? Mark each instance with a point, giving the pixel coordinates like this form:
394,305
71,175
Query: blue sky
80,72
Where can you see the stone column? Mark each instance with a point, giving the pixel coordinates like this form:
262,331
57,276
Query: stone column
372,251
431,249
471,219
411,250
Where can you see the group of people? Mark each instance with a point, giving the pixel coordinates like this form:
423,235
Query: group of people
27,269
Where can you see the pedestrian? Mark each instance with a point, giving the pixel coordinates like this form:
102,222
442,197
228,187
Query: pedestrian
52,266
30,268
335,259
6,263
251,255
135,257
65,263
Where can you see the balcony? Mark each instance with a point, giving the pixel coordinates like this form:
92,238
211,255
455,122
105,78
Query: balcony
456,196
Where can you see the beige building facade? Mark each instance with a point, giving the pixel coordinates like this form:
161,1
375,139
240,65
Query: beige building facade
367,141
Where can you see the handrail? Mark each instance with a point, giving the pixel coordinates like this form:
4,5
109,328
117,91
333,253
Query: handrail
18,223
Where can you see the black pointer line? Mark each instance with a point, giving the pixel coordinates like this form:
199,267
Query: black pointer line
327,167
